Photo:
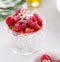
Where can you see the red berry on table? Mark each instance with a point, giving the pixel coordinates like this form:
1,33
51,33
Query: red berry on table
39,20
20,26
46,58
57,60
10,21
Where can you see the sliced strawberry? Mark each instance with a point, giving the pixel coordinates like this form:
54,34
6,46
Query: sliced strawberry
45,58
37,27
14,15
22,32
31,24
29,30
57,60
39,20
20,26
15,29
10,21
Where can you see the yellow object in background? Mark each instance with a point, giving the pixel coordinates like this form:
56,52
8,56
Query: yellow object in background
33,3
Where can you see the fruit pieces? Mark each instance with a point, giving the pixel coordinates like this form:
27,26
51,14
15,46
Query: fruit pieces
46,58
23,21
29,30
10,21
39,20
32,18
57,60
31,24
37,27
21,26
15,29
18,11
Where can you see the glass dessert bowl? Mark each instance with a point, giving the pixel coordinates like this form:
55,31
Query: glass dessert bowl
24,29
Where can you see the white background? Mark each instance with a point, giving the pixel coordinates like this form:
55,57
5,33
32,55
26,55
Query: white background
51,36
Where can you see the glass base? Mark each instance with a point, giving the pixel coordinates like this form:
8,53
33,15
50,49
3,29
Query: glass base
23,50
23,53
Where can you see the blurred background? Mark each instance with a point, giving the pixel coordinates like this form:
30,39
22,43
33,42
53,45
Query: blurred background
7,7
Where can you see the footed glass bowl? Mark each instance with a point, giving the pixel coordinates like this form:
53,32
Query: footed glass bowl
25,44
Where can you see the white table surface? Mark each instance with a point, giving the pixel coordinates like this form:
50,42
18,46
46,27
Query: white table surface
51,36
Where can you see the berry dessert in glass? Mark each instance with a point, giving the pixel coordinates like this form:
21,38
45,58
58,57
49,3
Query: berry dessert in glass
25,29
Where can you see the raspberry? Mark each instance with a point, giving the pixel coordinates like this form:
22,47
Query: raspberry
31,24
33,19
20,26
39,20
10,21
18,11
45,58
17,18
57,60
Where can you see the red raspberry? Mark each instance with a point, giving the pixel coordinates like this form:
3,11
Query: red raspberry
58,60
31,24
18,11
45,58
39,20
33,19
10,21
17,18
20,26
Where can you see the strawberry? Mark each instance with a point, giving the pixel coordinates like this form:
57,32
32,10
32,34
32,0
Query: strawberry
45,58
10,21
39,20
15,29
57,60
29,30
20,26
37,27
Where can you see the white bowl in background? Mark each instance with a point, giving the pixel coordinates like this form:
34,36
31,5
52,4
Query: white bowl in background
54,54
58,5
